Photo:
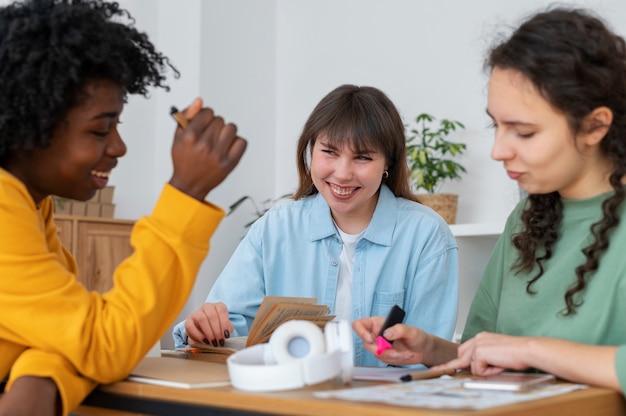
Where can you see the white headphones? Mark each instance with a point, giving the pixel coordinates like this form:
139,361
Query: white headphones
297,354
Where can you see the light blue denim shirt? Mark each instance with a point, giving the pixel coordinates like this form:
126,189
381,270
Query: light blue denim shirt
407,256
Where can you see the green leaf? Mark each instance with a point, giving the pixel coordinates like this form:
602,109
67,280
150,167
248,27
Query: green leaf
422,157
427,148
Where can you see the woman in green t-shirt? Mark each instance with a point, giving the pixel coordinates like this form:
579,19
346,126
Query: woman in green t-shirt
552,295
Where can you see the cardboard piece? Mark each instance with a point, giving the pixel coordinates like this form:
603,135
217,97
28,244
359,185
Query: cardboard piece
78,208
93,209
106,194
107,210
276,310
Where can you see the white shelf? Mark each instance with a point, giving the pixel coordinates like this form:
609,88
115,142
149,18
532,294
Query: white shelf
492,229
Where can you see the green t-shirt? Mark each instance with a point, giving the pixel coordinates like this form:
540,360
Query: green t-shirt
502,305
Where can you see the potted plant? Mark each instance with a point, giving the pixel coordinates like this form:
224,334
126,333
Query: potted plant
430,158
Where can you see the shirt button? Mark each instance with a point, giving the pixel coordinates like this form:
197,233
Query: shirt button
334,263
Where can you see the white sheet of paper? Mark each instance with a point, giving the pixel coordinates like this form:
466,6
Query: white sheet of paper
443,393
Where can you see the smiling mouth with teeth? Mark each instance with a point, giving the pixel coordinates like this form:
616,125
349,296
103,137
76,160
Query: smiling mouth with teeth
342,191
100,174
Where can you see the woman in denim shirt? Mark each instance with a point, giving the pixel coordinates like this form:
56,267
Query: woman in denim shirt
353,237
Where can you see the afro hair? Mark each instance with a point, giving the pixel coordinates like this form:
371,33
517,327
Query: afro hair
49,49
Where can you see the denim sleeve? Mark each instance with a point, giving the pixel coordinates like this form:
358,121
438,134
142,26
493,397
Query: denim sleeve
180,335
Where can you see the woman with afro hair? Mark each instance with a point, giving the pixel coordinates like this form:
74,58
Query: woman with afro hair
66,69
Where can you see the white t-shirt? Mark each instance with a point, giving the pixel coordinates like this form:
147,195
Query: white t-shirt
343,299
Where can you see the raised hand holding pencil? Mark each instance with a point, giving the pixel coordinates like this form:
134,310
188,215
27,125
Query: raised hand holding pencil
205,150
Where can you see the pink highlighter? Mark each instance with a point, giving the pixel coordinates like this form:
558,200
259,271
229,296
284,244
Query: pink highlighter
396,315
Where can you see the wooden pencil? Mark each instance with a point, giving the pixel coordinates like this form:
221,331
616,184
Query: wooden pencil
424,375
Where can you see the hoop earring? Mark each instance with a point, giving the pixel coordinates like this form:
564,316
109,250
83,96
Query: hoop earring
385,175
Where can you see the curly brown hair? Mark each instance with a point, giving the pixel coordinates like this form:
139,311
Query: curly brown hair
578,65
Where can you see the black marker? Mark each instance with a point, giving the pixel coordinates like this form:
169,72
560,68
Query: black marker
396,315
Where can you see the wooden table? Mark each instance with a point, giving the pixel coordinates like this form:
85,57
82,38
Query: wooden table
144,399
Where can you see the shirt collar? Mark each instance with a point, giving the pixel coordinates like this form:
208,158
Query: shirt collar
380,230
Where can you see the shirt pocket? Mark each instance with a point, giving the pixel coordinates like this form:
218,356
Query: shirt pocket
384,301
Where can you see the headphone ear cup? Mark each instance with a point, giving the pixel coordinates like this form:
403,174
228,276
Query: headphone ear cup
331,334
338,336
296,340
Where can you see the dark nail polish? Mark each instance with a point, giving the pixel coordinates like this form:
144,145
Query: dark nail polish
214,343
227,333
206,341
221,342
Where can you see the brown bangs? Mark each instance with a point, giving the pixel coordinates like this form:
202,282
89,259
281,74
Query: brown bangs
354,129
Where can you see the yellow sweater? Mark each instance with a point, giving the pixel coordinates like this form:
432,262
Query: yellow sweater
51,326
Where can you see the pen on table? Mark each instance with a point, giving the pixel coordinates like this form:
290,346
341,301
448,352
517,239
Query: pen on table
179,117
424,375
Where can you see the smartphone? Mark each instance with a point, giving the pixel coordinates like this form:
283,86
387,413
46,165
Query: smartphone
508,381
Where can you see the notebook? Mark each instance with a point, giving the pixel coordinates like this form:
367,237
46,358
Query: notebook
179,373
